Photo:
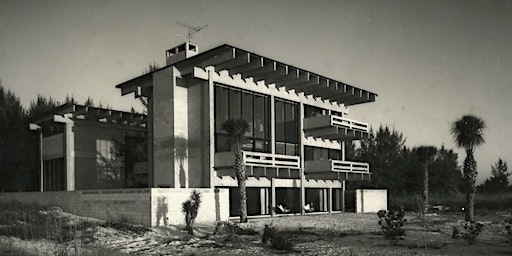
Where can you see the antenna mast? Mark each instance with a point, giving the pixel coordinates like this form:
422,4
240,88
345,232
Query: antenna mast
191,29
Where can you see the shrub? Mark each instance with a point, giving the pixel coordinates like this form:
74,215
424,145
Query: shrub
470,232
278,239
391,223
190,208
231,229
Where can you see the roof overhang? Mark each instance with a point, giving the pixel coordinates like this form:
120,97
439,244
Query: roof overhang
80,112
247,64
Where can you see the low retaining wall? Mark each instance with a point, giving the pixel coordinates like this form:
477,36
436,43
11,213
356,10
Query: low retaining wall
156,206
371,200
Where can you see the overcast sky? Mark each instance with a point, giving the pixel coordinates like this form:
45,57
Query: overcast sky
430,62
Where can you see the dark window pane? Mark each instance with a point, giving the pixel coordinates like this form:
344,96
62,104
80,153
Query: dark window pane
235,104
221,107
280,148
334,154
221,143
247,109
309,153
259,117
310,111
291,149
280,121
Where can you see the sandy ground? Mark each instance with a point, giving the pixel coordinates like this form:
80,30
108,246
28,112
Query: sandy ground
327,234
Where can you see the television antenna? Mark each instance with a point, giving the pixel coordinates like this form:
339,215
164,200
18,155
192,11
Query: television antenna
191,29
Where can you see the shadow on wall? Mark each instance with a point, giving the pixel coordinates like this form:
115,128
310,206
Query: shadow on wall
161,211
180,152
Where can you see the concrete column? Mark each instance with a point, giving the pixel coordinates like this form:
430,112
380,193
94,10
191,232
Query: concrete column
272,196
272,125
329,202
164,83
263,201
211,113
70,156
150,148
343,195
301,155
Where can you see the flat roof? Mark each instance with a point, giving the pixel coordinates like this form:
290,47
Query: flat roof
102,115
247,64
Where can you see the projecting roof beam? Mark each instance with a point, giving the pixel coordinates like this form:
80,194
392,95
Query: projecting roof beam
208,58
241,58
298,85
291,75
266,67
311,90
269,77
134,84
254,63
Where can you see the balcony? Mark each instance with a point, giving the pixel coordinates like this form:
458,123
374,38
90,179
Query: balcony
334,127
336,169
259,165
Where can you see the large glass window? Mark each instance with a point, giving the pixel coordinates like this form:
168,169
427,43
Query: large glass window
287,127
109,163
311,111
316,153
252,107
54,175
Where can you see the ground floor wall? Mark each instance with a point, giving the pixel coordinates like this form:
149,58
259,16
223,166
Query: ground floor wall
269,196
145,206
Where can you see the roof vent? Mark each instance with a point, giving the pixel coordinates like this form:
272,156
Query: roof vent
181,52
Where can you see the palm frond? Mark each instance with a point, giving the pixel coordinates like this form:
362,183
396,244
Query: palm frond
467,132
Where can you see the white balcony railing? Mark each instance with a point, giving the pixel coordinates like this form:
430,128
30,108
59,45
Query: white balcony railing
348,166
335,128
226,159
336,166
349,123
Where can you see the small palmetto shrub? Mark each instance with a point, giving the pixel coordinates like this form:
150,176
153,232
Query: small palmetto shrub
190,209
391,223
278,239
470,231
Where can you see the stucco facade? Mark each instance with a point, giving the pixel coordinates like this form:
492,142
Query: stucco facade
295,154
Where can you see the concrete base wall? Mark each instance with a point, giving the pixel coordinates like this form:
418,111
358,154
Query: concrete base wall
142,206
371,200
166,205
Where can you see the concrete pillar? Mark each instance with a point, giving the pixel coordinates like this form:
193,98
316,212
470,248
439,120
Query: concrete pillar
272,196
164,84
301,155
69,136
150,148
263,201
211,131
329,193
343,195
272,125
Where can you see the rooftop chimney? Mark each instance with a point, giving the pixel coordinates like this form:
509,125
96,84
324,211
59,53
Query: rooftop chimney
181,52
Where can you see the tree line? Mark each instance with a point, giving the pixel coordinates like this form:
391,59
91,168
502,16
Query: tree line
19,146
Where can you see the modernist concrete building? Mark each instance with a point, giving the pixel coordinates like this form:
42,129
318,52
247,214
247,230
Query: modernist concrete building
86,148
298,128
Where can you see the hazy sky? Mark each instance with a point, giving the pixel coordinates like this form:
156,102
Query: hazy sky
430,62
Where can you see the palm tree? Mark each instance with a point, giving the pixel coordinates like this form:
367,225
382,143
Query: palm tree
236,128
468,134
426,156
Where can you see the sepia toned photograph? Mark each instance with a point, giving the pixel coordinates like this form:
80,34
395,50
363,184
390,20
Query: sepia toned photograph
237,127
